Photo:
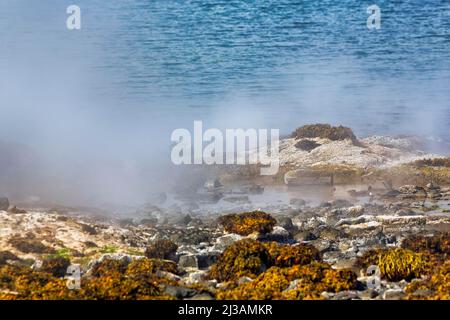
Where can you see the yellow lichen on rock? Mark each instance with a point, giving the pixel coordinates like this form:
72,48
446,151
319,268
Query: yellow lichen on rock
396,264
277,283
288,256
248,222
243,258
435,287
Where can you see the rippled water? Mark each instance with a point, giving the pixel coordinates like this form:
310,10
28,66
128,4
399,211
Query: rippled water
92,110
281,62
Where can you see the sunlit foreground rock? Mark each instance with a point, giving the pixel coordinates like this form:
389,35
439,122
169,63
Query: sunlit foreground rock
332,264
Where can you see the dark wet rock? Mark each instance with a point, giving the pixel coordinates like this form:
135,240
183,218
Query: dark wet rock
192,236
62,218
208,259
57,266
180,292
88,229
4,203
307,145
188,261
326,204
286,223
90,244
5,256
162,249
29,244
392,194
201,296
278,234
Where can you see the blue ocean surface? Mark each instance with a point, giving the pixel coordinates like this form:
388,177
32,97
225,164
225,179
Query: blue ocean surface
141,64
88,114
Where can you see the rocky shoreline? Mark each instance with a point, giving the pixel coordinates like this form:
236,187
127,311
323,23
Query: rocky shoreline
340,233
369,237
